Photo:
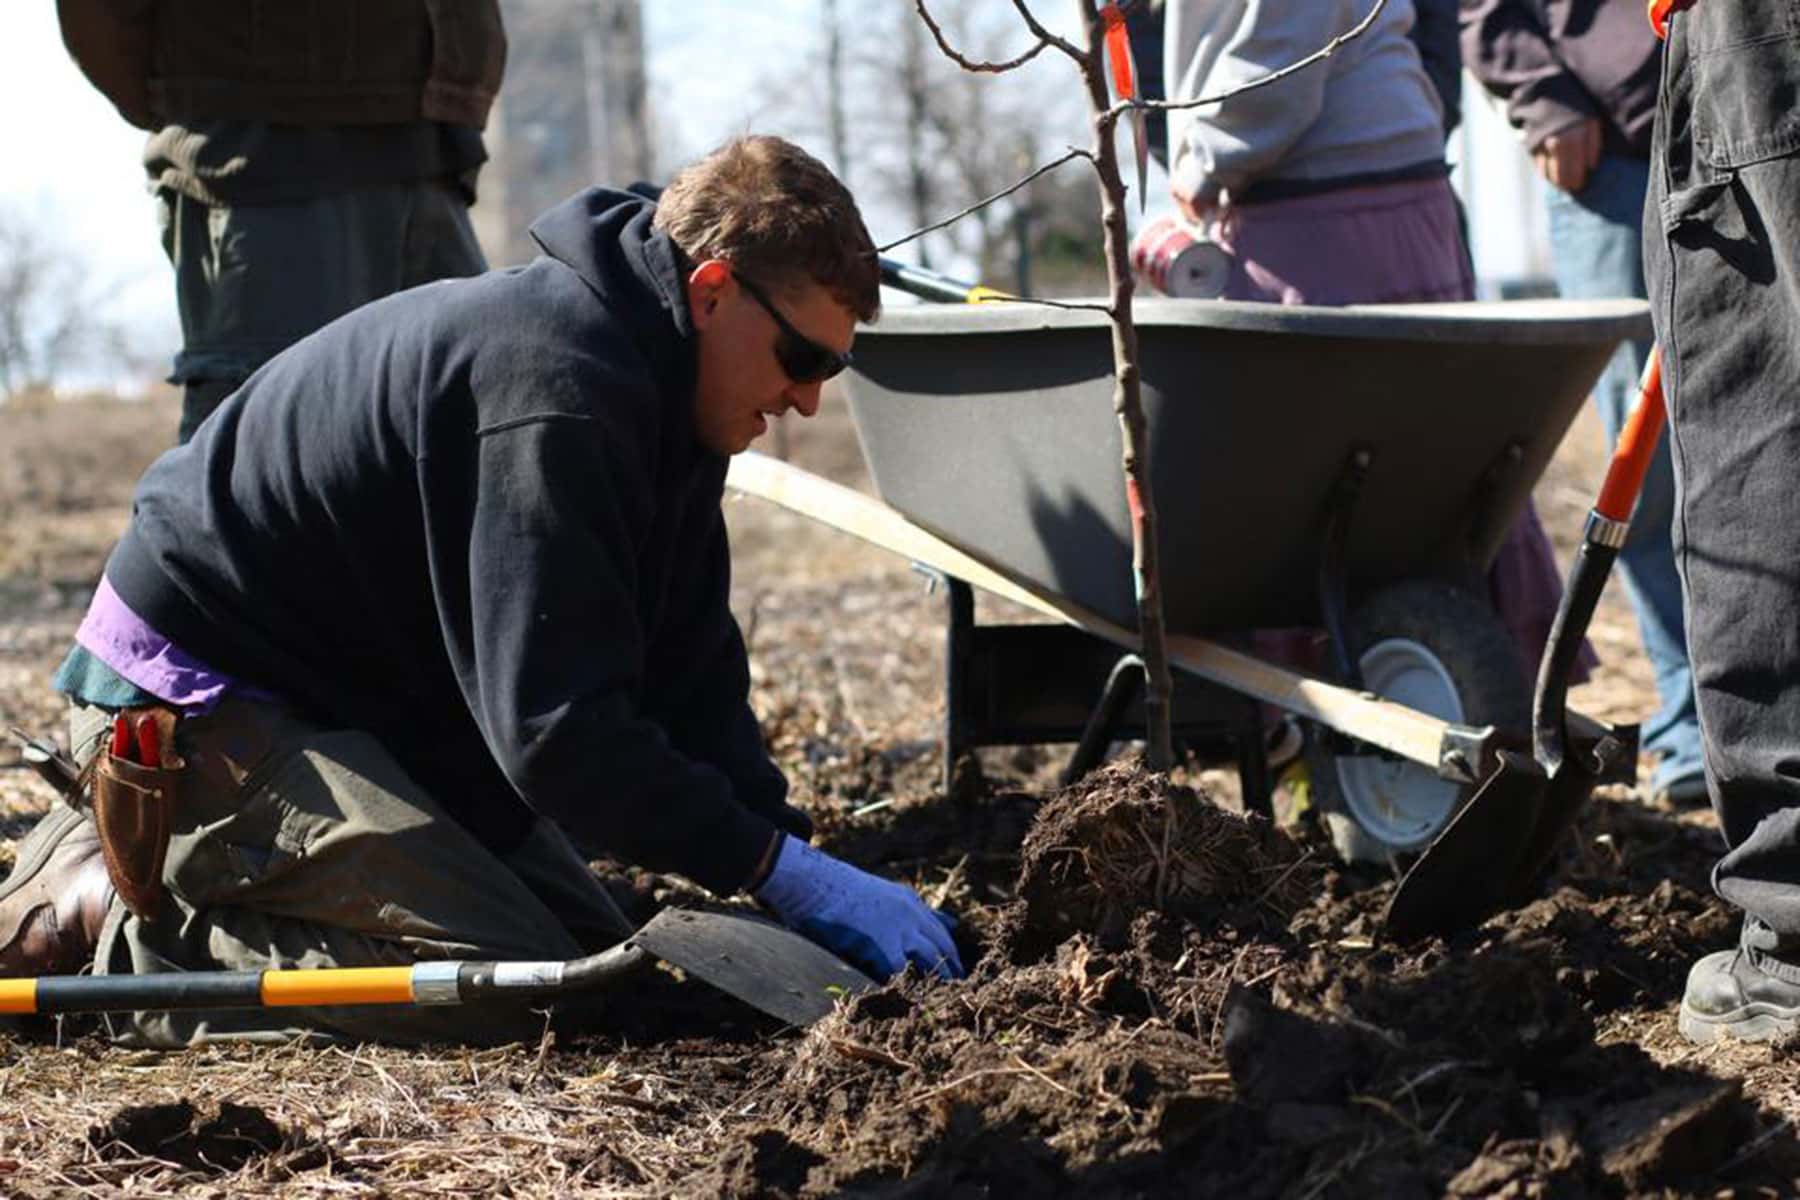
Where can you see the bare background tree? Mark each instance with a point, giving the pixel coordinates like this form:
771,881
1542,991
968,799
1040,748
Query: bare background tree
915,137
572,112
54,315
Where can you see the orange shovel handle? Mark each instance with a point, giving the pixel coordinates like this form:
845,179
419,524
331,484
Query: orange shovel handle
1637,445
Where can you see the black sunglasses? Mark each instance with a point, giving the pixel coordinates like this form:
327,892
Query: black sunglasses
804,360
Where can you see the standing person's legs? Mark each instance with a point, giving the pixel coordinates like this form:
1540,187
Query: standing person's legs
296,846
252,280
1722,258
1597,238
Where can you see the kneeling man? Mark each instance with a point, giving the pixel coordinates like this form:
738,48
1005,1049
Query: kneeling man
435,605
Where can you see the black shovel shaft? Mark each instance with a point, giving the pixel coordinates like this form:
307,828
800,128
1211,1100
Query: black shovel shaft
1587,579
429,983
929,285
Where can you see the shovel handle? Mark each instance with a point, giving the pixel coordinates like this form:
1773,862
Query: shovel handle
428,983
1637,445
929,285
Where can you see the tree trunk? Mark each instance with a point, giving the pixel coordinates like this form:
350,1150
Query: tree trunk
1128,405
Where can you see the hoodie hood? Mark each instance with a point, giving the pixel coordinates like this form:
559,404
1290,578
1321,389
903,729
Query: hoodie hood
605,236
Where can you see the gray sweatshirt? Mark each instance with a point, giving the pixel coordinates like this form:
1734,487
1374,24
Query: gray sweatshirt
1366,112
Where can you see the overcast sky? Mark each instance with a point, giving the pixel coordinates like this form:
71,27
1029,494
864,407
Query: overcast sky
73,164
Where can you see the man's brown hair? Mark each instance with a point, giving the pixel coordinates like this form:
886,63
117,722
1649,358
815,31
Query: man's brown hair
775,213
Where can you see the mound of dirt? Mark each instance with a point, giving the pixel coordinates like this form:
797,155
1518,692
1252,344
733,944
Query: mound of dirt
1172,1007
1122,841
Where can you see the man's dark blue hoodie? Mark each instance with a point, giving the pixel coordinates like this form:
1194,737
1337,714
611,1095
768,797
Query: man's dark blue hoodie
472,520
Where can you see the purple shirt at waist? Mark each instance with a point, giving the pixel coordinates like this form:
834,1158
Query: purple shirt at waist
123,641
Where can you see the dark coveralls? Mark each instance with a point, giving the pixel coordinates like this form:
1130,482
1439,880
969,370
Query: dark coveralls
1722,257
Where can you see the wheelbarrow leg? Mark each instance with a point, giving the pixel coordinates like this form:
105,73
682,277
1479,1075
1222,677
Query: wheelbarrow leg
959,600
1253,763
1121,688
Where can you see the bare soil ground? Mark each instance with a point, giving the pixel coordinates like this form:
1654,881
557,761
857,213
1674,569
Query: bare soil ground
1167,997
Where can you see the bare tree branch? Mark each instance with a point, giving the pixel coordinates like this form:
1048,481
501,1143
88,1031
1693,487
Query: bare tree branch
967,64
1320,55
1075,53
1110,116
1073,153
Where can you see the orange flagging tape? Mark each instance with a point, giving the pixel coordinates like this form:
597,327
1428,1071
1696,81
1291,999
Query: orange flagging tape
338,985
18,995
1118,52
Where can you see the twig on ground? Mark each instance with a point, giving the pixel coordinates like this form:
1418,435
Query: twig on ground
1039,1074
942,891
1755,1146
862,1053
952,1085
1430,1073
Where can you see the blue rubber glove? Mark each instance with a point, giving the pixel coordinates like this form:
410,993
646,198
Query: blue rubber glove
876,924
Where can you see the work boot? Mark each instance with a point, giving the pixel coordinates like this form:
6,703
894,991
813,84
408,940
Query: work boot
55,900
1727,993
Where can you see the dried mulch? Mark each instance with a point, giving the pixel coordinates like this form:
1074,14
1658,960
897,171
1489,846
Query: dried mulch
1167,997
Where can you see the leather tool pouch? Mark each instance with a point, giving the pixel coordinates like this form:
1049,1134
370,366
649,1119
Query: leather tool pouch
134,808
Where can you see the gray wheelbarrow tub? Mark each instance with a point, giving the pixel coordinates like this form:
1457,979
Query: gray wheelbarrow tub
992,425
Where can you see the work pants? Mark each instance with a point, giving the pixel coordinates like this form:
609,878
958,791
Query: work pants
252,279
300,846
1722,259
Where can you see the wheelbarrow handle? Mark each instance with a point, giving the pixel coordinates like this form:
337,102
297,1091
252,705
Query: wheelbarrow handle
1637,446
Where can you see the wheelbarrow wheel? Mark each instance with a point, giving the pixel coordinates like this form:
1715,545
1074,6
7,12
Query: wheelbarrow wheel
1435,648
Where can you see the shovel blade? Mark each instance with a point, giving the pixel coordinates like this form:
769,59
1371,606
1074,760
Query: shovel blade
1568,791
767,966
1471,870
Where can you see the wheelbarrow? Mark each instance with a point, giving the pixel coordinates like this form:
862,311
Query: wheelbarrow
1349,469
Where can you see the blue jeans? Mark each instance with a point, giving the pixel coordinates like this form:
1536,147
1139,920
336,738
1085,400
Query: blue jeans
1598,247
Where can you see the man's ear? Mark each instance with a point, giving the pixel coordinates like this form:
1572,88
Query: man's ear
706,286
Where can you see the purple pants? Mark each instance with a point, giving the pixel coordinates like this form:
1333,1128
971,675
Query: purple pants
1397,243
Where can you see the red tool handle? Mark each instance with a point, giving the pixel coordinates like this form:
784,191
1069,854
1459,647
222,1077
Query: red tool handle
1637,444
121,737
149,741
1662,10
